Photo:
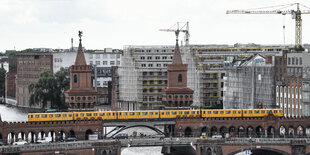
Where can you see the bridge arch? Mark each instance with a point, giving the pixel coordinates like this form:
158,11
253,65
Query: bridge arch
283,131
259,131
87,133
223,131
250,131
232,131
188,132
71,133
241,131
300,131
128,127
204,130
213,131
291,131
271,132
308,131
263,150
31,137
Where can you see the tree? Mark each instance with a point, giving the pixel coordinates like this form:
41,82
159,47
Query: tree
50,88
2,82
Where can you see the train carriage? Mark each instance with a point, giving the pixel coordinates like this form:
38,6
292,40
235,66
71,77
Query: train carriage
61,116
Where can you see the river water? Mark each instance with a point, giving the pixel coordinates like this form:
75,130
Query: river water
13,114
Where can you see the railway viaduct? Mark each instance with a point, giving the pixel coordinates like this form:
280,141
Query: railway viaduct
32,131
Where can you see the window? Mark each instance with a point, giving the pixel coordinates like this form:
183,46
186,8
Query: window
158,65
150,65
112,62
227,112
88,114
143,65
44,116
112,56
157,57
149,58
215,112
101,114
57,115
97,56
51,115
97,62
118,63
142,58
180,78
75,78
104,62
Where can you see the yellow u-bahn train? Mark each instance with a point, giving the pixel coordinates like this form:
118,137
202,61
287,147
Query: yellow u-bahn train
152,114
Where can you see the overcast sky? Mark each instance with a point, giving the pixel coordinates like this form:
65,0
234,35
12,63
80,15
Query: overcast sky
115,23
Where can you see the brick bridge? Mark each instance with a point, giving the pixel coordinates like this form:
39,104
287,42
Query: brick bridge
268,126
32,131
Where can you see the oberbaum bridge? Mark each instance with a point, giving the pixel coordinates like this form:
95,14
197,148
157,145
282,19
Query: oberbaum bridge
184,135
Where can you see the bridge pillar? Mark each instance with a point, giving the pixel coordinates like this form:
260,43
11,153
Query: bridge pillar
198,149
298,147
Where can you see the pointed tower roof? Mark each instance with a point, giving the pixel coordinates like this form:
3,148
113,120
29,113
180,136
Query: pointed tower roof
177,58
80,58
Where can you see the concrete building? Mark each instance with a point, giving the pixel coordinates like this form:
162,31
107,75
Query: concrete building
29,67
102,62
249,83
10,87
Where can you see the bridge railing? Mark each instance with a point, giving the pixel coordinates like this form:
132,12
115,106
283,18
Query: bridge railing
266,140
47,146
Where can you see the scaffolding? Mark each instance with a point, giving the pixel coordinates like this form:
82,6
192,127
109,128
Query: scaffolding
128,82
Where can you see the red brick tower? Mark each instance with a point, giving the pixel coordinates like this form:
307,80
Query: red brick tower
81,95
177,95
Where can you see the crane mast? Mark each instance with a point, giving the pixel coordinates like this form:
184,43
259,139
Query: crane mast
184,29
296,14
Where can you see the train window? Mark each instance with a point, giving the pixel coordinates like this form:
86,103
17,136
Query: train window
120,114
162,113
76,115
30,116
275,111
70,115
138,113
234,112
88,114
151,113
81,115
57,115
204,112
263,111
144,113
245,111
186,112
221,112
167,113
95,114
43,116
193,112
113,113
131,113
125,113
174,112
215,112
51,115
180,112
250,112
239,112
156,113
64,115
209,112
256,111
269,111
109,114
37,116
101,114
197,112
227,112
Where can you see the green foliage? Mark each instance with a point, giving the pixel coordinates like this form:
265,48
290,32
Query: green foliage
50,88
2,82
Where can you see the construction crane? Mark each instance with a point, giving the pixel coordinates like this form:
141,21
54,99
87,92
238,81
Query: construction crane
184,28
296,14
